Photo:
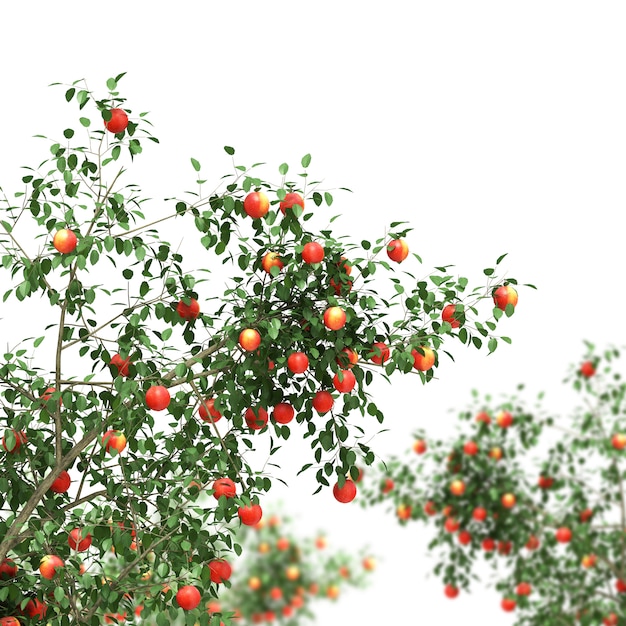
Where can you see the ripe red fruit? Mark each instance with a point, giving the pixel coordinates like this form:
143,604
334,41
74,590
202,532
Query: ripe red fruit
504,547
563,534
20,438
451,525
587,369
508,604
479,514
483,417
379,353
347,383
9,621
61,483
208,408
224,487
49,565
397,250
188,597
387,485
618,441
334,318
470,448
620,586
504,419
504,295
76,540
465,537
346,493
457,487
532,543
404,512
488,544
65,241
188,311
508,500
419,446
35,608
270,260
298,362
450,315
256,418
423,362
429,508
610,620
523,589
121,364
347,358
312,253
157,398
220,570
323,402
451,591
249,339
250,515
545,482
282,544
283,413
118,121
114,440
585,515
256,204
291,199
8,569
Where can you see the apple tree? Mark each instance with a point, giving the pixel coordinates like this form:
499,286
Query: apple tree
552,524
137,386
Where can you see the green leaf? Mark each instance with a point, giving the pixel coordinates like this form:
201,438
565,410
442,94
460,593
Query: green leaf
196,164
328,198
69,94
111,84
283,168
85,121
229,150
306,160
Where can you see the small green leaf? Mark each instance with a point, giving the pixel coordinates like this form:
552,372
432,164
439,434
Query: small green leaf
85,122
306,160
196,164
283,168
111,84
229,150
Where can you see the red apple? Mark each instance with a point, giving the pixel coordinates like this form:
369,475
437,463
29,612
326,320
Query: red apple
157,398
8,569
249,339
282,544
508,604
504,419
76,540
344,381
483,417
397,250
457,487
114,440
61,483
256,204
312,253
419,446
188,311
334,318
449,314
423,362
346,493
220,570
451,591
523,589
451,525
35,608
188,597
65,241
429,508
488,544
502,296
256,418
121,364
207,408
291,199
588,369
508,500
118,122
479,514
49,566
223,487
404,511
618,441
298,362
250,515
283,413
379,353
347,358
387,485
532,543
589,560
323,402
270,260
585,515
19,439
470,448
495,453
465,537
563,535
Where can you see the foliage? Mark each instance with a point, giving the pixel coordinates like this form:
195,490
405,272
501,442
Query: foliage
575,485
130,345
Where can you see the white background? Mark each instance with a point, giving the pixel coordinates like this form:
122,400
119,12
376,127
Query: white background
491,126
